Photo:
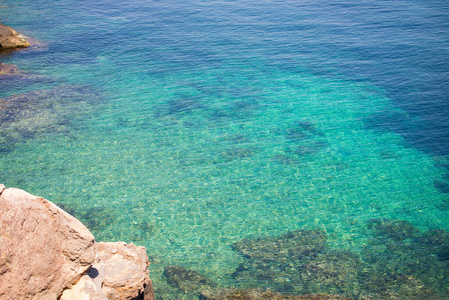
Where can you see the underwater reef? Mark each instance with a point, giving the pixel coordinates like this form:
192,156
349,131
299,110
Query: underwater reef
398,262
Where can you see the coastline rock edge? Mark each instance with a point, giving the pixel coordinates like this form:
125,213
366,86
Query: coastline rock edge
45,253
11,39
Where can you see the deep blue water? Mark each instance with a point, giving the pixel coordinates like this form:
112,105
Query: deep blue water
188,126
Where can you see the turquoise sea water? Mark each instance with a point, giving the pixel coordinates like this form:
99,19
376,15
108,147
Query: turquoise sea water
185,127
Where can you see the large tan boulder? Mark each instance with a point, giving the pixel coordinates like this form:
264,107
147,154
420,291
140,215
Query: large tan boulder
43,250
47,254
11,39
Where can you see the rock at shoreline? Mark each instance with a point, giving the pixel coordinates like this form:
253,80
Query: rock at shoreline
45,253
11,39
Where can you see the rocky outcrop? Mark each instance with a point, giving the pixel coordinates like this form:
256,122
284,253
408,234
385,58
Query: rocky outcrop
43,249
45,253
11,39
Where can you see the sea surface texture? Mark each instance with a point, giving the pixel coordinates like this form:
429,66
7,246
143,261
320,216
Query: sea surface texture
297,146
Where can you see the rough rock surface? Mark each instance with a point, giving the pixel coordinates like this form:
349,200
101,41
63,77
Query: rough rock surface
11,39
124,269
45,253
119,272
42,248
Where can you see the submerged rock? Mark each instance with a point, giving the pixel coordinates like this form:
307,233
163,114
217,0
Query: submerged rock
256,294
293,244
284,159
406,257
187,280
311,148
302,130
398,263
441,186
236,153
437,241
11,39
396,286
38,112
331,272
8,69
297,263
394,229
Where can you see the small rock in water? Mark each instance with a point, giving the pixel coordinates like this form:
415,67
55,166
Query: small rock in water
296,134
396,286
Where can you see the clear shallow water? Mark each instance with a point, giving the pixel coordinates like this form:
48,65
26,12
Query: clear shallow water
185,127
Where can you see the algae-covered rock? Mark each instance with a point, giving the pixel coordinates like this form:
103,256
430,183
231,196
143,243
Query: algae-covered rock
297,263
397,286
256,294
282,277
394,229
402,253
331,272
187,280
38,112
292,245
437,241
